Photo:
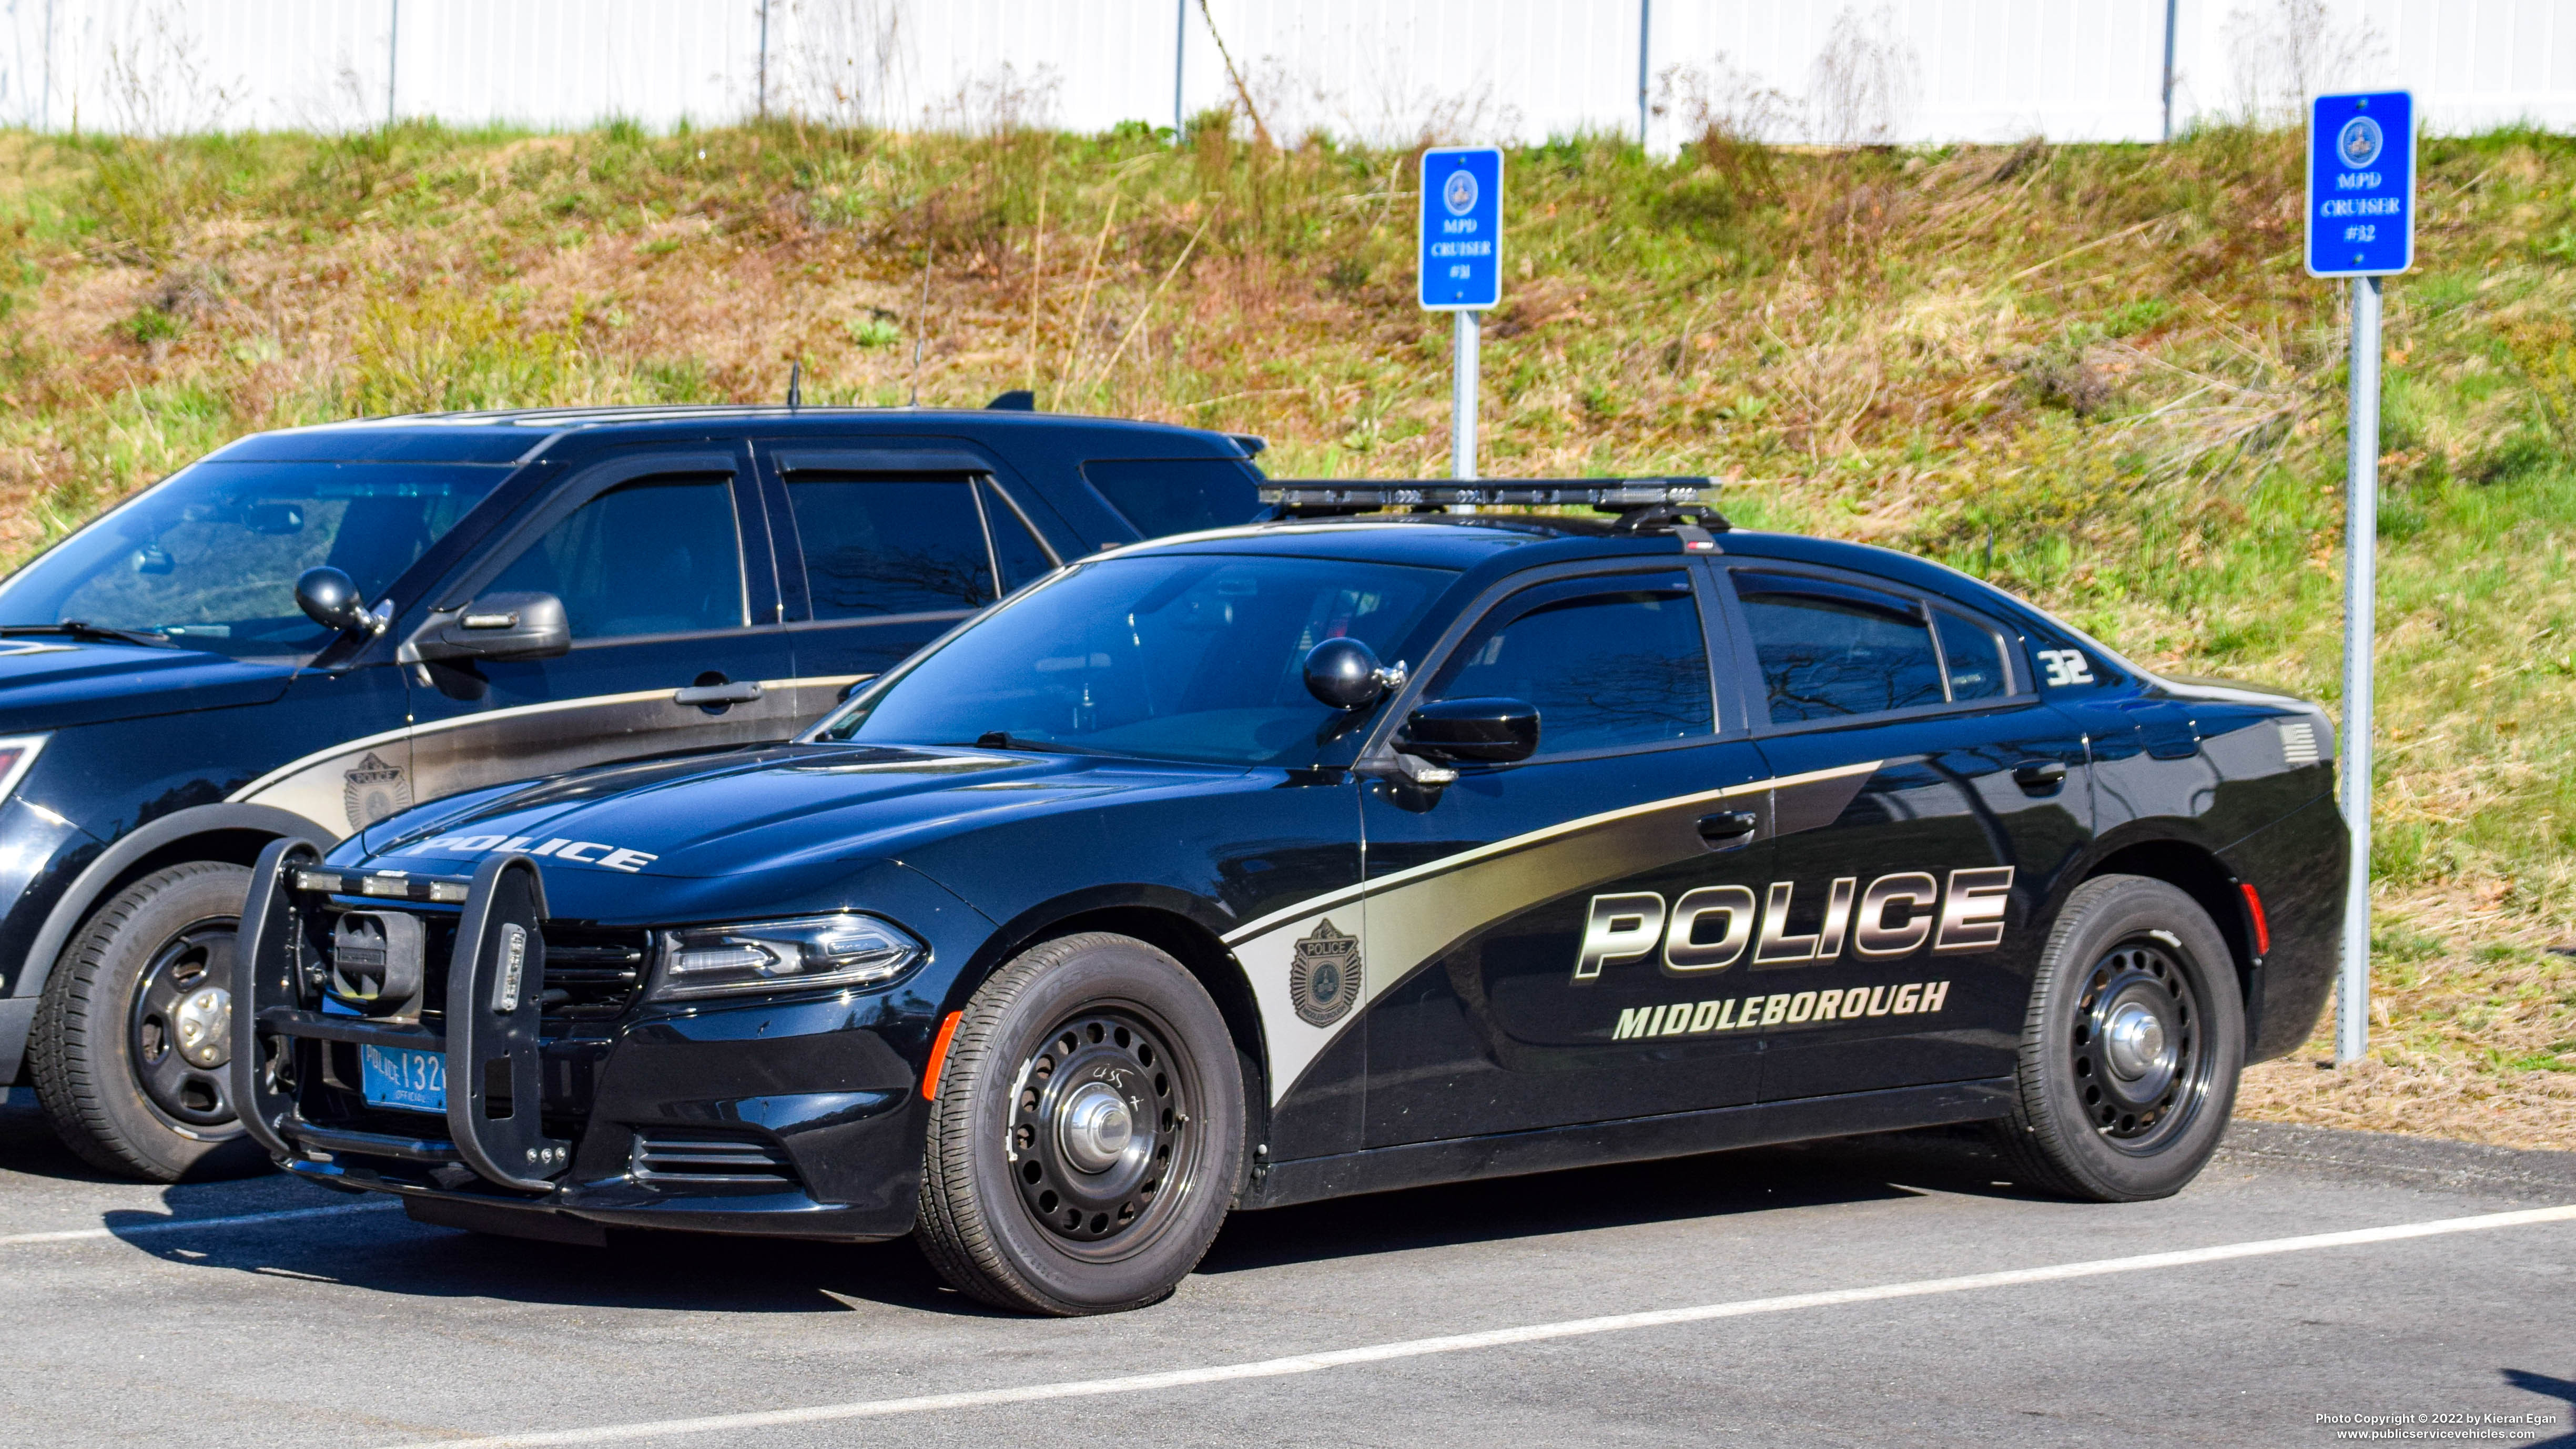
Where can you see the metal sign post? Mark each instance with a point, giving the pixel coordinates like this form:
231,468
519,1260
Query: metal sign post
1462,269
2361,225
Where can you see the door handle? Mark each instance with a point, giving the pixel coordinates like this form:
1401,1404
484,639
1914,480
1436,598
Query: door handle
2039,777
705,694
1728,828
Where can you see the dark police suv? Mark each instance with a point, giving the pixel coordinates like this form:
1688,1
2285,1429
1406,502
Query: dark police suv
515,594
1314,857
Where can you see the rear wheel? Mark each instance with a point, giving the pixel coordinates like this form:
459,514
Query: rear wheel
1086,1139
2130,1052
132,1040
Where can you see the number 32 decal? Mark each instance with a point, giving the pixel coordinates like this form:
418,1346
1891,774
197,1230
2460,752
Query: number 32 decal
2065,667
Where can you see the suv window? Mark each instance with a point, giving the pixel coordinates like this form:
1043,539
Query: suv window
211,557
656,556
1608,663
1018,551
1182,495
875,547
1830,650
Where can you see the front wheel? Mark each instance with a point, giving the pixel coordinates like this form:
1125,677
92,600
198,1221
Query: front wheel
134,1033
1086,1136
2131,1049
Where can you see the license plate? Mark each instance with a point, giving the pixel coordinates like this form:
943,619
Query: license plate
401,1077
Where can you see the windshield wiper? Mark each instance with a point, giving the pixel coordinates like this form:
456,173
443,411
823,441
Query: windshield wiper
81,630
1005,740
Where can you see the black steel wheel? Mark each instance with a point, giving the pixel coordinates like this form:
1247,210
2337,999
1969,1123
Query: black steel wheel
1100,1124
132,1038
1086,1137
180,1031
2132,1046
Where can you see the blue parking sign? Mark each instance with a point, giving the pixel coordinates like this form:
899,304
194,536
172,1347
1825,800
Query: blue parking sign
2361,184
1462,228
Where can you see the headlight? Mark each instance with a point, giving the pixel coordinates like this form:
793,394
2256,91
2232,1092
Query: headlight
797,955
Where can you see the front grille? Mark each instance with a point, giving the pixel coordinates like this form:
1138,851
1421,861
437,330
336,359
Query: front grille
592,974
709,1158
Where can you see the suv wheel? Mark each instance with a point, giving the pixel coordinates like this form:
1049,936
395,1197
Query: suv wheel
133,1036
1086,1138
2130,1052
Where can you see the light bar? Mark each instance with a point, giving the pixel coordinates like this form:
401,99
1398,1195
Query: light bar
384,885
1603,493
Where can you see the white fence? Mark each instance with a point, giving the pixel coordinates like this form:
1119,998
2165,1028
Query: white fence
1383,70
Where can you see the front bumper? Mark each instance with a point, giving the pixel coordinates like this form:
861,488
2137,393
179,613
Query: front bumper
796,1118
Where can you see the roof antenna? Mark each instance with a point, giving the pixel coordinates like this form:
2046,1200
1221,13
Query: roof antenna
796,383
920,324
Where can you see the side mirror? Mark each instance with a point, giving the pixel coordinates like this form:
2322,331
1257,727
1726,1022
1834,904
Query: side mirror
496,626
330,598
1345,674
1489,731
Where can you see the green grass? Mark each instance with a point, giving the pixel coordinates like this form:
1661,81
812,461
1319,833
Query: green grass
2095,374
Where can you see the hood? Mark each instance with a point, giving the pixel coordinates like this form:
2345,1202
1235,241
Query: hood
50,683
776,809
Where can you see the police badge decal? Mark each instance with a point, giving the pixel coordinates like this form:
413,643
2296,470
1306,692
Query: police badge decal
373,790
1324,976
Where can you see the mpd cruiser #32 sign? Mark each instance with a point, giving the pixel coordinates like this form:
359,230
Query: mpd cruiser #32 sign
2361,184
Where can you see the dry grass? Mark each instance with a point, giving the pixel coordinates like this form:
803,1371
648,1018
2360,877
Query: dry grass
2095,374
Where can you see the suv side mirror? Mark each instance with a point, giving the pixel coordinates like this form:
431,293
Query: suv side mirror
496,626
327,596
1488,731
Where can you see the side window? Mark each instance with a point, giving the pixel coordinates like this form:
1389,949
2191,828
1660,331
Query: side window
1021,555
656,556
1973,658
875,547
1606,663
1829,650
1176,495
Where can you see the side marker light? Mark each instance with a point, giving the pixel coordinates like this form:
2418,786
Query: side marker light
2262,928
938,1057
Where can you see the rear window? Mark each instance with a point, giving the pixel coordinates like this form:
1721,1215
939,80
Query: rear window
1830,650
1181,495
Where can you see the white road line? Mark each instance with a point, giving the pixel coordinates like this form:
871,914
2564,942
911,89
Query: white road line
1501,1337
246,1220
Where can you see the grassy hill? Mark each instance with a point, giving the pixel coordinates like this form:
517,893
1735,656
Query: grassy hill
2093,374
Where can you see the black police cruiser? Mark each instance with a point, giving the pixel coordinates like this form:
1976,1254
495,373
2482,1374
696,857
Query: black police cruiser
310,630
1315,857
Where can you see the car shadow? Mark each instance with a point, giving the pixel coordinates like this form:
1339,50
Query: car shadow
385,1252
1718,1184
2560,1389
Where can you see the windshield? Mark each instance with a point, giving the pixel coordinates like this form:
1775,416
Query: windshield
210,558
1173,656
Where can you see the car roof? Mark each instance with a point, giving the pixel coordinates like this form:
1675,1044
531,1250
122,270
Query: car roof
1508,542
1435,540
507,436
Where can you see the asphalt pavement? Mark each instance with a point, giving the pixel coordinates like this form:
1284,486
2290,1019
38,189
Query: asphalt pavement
1869,1291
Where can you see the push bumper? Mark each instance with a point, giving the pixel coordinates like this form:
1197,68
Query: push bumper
793,1119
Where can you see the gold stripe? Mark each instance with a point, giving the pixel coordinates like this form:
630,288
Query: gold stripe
521,711
1448,863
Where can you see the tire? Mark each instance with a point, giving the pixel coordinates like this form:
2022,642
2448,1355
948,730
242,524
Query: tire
2131,1049
127,1088
1030,1199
